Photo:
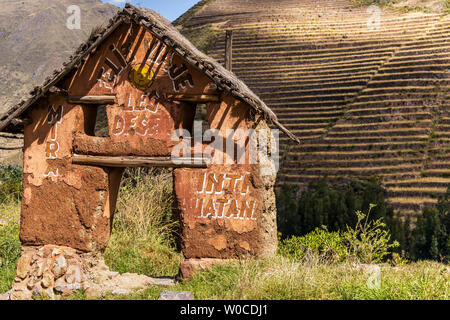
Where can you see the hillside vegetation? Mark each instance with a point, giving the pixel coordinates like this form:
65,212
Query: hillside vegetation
366,91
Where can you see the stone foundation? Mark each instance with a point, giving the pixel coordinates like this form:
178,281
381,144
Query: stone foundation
53,271
48,271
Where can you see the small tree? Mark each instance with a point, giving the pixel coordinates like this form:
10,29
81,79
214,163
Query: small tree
431,237
369,241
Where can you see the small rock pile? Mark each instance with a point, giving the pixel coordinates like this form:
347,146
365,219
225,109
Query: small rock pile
53,271
47,271
99,280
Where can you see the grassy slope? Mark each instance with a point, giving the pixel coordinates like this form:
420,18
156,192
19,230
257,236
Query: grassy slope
9,243
203,37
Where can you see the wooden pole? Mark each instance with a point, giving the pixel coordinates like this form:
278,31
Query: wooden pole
132,161
93,99
229,50
200,98
21,122
11,148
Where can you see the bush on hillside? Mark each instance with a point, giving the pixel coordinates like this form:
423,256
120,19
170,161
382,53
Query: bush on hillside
431,237
320,245
334,206
381,3
368,241
10,182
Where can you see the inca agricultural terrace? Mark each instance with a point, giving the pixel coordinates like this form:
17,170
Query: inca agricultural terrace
365,89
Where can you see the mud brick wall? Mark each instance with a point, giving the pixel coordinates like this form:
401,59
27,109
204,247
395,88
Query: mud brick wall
227,210
63,204
223,209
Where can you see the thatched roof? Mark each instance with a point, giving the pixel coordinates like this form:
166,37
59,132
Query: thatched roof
167,33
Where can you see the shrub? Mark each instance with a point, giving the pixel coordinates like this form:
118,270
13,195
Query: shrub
358,3
10,182
369,241
334,205
9,243
320,245
431,237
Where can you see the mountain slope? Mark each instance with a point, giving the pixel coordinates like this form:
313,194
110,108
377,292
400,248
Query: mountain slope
34,40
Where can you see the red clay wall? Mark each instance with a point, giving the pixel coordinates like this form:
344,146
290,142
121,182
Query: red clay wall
62,204
223,210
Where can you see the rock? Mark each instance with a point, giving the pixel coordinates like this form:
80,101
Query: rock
189,267
48,264
48,280
59,267
4,296
37,269
93,292
74,286
20,293
34,258
121,291
164,282
49,294
60,285
23,265
44,252
73,274
67,293
56,252
176,295
32,281
37,290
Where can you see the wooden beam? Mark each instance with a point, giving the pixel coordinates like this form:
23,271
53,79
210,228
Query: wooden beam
92,99
133,161
21,122
11,148
229,50
199,98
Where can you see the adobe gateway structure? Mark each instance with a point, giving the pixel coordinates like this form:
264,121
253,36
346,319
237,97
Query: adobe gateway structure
151,79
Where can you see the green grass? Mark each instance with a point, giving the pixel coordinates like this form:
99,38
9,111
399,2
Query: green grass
447,6
144,228
281,278
180,21
204,38
9,242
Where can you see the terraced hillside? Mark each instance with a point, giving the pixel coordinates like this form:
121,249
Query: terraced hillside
365,98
